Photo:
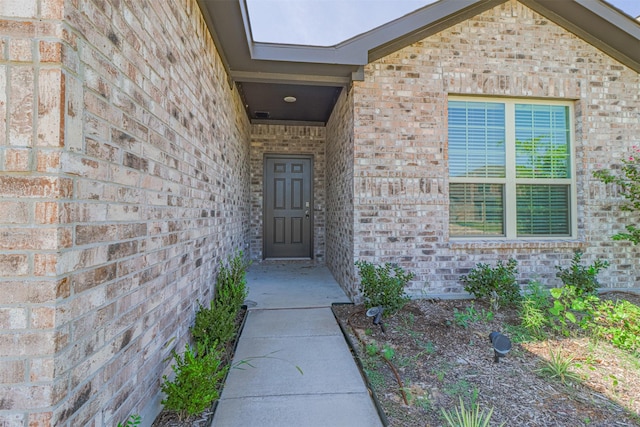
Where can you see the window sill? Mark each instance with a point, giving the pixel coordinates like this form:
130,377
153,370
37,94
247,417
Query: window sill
568,243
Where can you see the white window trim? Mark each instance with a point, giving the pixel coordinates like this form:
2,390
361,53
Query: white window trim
510,180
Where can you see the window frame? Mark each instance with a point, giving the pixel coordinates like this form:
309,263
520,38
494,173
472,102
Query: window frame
510,181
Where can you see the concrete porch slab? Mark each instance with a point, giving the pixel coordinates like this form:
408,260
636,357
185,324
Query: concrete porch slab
292,284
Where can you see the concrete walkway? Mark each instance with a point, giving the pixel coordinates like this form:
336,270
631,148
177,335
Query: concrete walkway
292,366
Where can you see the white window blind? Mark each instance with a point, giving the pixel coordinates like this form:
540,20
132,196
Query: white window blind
510,169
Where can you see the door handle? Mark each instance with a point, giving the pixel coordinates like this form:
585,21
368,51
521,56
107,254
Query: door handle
306,213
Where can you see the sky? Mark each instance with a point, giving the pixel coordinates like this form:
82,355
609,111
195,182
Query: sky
329,22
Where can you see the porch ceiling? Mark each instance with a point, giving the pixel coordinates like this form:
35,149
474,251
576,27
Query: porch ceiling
265,73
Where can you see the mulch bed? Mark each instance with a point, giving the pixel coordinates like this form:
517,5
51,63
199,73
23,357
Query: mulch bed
436,362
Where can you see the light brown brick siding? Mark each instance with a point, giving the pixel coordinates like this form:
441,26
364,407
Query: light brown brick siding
124,154
401,184
129,172
340,193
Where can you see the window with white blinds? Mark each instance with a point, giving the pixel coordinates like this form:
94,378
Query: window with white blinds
510,168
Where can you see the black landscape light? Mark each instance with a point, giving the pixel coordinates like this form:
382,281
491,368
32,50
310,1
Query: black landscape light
376,313
501,345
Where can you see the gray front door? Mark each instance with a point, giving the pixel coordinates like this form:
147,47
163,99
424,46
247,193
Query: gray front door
288,206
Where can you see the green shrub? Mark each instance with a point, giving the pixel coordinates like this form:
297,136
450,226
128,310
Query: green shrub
217,323
533,309
533,318
383,285
618,322
231,282
499,282
199,373
570,309
583,278
197,380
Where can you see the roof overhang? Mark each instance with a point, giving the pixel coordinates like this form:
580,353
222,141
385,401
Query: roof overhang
599,24
317,74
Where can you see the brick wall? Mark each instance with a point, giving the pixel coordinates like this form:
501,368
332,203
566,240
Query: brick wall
125,183
281,139
130,171
401,185
340,197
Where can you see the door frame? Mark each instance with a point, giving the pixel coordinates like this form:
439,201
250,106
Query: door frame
305,156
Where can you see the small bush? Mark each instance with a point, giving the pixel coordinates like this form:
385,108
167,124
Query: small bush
383,285
499,282
217,323
534,306
200,373
197,381
618,322
231,282
583,278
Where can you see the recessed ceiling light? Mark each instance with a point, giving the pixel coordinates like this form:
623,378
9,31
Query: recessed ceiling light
290,99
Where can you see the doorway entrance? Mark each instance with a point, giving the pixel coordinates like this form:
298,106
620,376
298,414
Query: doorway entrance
288,206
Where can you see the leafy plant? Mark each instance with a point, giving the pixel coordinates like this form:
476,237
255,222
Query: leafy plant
214,323
383,285
471,315
200,369
462,417
533,318
583,278
133,421
231,282
197,379
629,182
499,282
570,308
217,322
387,352
533,309
618,322
559,366
372,349
536,292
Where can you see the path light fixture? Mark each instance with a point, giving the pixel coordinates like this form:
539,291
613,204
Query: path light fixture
376,314
501,345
